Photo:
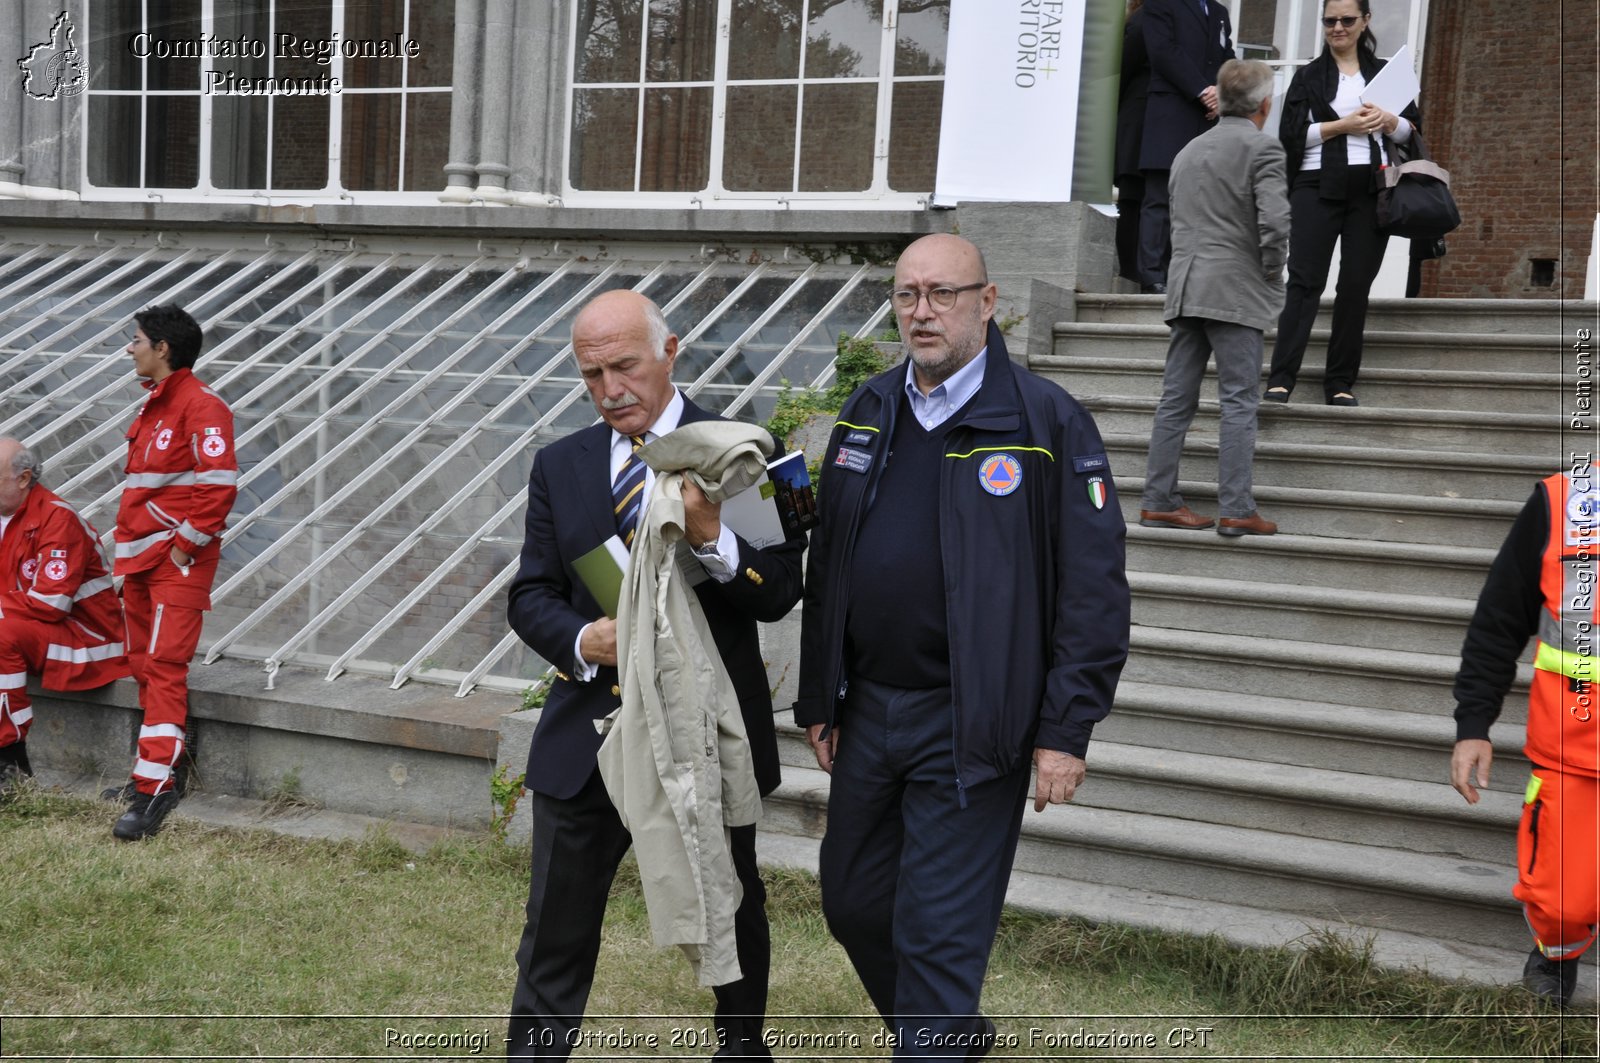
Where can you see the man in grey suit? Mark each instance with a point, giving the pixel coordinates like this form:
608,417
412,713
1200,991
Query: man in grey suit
1230,239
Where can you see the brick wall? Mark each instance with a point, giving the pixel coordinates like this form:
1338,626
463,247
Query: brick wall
1508,107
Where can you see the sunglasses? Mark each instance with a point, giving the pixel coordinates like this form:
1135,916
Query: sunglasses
1341,20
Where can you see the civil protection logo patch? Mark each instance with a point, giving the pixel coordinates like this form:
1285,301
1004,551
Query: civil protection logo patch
1000,474
1097,492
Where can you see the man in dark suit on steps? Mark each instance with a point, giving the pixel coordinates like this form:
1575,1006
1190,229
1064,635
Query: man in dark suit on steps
625,353
1188,41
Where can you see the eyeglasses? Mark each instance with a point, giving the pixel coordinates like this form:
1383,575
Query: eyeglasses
1340,20
941,298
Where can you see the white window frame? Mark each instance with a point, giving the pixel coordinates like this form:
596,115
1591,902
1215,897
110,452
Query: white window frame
877,197
204,189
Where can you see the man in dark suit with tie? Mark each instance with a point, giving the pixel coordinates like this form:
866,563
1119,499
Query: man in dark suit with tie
1188,41
584,489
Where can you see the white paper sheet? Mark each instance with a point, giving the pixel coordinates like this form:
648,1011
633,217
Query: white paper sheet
1396,84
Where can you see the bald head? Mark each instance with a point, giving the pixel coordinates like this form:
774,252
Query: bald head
19,471
625,352
940,340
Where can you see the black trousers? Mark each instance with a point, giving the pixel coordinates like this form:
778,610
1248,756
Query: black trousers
1155,228
1315,224
577,844
913,871
1130,200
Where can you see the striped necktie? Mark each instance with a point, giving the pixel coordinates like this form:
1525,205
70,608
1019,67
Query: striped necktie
627,493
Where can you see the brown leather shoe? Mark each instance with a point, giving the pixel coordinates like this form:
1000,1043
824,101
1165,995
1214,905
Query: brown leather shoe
1254,524
1182,517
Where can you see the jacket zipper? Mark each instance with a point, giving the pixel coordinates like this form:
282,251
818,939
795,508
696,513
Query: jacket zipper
886,436
949,622
150,442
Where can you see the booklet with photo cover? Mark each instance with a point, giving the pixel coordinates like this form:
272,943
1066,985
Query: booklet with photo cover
780,505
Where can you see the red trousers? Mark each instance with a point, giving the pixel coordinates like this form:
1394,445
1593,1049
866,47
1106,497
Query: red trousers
164,609
23,646
1558,861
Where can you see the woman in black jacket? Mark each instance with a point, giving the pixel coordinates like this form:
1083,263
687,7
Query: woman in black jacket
1336,147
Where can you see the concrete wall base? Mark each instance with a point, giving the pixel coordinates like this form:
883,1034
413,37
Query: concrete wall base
415,754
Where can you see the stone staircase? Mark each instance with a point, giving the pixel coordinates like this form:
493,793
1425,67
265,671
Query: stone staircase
1277,761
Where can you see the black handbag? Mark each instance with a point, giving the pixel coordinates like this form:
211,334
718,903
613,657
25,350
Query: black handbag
1414,197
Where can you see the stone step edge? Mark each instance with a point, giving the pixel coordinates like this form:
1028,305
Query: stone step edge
1336,454
1249,850
1355,550
1355,416
1458,307
1422,731
1303,597
1321,787
1442,379
1374,795
1325,498
1374,337
1407,665
1236,924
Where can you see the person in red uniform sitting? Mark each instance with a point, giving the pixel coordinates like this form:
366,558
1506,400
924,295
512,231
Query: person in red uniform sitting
1543,583
182,477
59,615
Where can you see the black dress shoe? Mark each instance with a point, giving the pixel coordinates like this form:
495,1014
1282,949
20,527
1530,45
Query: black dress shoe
1158,288
1271,395
1345,399
1553,980
144,816
985,1038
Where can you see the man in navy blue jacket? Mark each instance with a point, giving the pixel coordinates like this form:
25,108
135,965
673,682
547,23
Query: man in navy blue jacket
966,617
625,352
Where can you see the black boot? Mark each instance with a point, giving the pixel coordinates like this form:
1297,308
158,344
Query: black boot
145,814
1552,979
122,795
14,766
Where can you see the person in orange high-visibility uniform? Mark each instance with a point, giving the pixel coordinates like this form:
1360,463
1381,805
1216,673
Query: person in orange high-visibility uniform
1543,583
59,614
182,478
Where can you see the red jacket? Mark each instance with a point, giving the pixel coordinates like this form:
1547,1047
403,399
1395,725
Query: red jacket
53,571
182,475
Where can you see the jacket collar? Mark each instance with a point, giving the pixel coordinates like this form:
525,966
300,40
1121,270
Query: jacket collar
174,379
996,407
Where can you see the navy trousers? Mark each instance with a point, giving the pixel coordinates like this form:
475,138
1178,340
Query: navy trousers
913,883
577,844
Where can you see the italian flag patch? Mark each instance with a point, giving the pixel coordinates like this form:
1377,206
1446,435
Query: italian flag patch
1097,492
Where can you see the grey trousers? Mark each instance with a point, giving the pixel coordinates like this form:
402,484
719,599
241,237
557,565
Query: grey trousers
1238,351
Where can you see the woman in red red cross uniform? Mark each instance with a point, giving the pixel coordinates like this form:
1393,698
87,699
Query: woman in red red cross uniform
182,477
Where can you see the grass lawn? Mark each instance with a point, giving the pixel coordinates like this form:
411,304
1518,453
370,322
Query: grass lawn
218,944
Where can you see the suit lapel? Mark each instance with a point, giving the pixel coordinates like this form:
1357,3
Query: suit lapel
592,479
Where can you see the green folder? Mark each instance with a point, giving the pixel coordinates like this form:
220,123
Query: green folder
601,571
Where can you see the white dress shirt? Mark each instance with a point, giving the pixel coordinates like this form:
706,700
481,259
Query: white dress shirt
720,559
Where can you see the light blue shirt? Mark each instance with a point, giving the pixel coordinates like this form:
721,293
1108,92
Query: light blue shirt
934,408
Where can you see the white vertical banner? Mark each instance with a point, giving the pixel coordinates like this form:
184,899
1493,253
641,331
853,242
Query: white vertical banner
1010,101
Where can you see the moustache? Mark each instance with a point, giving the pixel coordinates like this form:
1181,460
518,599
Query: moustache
621,402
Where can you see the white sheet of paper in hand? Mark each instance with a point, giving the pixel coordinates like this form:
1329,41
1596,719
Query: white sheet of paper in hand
1395,85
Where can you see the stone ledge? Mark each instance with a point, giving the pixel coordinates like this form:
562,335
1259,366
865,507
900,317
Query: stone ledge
568,223
357,708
